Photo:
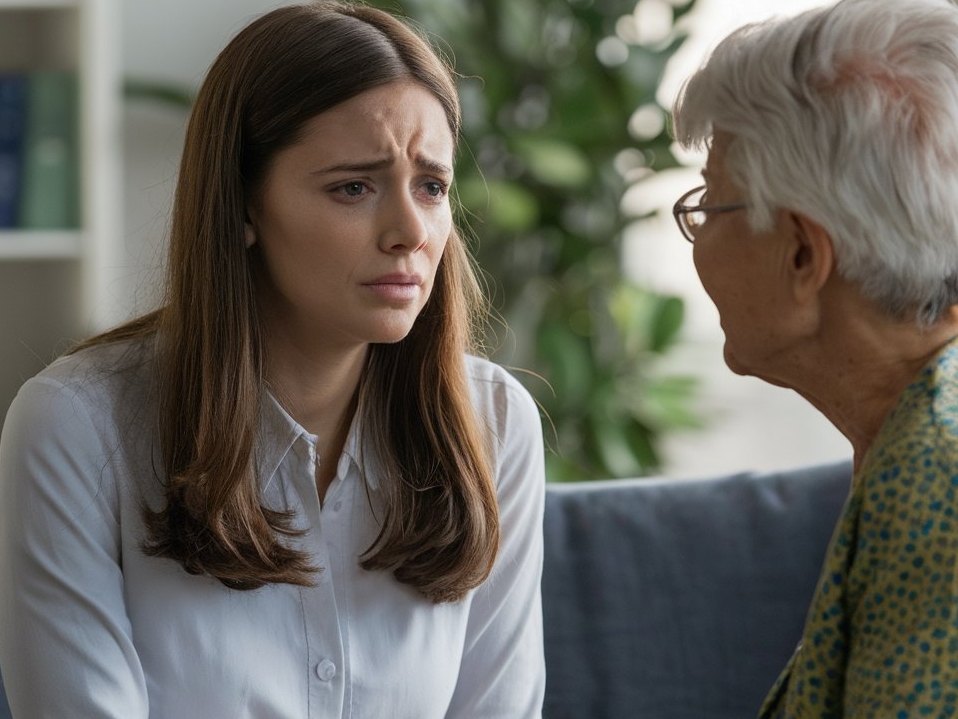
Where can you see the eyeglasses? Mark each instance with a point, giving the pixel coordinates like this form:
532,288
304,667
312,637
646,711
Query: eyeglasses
690,214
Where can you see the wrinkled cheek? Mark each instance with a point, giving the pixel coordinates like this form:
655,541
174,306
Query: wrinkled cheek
705,271
705,281
697,262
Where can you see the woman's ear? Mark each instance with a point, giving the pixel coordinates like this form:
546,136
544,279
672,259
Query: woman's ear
812,257
249,231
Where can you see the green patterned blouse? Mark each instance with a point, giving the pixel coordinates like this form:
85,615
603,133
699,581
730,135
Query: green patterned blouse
881,638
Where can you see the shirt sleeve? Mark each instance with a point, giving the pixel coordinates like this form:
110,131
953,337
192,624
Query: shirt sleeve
65,640
903,588
502,675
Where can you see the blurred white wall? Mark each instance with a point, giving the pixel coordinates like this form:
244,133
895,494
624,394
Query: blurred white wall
171,41
750,425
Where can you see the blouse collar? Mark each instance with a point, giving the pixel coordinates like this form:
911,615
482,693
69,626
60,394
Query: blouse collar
278,434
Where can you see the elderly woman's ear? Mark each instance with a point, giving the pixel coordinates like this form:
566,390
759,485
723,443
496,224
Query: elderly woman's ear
811,257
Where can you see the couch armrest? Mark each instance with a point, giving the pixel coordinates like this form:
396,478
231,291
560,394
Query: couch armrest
680,599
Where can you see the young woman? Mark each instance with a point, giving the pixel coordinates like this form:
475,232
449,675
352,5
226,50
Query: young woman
291,491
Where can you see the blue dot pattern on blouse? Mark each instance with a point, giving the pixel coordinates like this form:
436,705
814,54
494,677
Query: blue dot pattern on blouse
881,638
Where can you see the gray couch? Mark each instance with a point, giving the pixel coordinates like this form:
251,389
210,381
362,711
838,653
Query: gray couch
678,599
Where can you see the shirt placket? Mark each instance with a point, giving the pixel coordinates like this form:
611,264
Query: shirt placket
326,656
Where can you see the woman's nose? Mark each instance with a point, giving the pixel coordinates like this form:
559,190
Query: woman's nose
404,228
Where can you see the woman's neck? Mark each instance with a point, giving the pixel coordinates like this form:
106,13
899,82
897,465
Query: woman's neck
318,388
855,376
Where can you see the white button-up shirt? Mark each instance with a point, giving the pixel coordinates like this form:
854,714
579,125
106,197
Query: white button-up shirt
92,627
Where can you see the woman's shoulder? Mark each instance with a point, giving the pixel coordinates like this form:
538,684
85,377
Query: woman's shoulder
97,377
500,396
487,377
512,419
99,363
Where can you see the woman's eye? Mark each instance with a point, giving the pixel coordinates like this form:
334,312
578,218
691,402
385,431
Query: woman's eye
353,189
435,189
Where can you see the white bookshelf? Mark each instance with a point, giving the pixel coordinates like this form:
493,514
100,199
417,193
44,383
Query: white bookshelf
58,286
35,245
36,4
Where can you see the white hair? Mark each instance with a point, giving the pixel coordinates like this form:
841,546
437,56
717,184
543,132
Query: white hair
848,115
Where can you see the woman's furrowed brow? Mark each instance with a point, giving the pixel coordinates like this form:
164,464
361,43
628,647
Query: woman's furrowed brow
361,166
381,164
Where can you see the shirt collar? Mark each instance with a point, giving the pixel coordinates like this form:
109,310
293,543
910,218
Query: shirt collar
278,433
359,451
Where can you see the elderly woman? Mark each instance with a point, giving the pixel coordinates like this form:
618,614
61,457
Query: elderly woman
826,233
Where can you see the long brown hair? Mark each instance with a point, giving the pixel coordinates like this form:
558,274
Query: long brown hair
440,532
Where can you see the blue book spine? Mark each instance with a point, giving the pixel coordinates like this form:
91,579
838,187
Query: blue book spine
13,111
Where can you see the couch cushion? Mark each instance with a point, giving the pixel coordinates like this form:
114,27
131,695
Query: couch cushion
680,599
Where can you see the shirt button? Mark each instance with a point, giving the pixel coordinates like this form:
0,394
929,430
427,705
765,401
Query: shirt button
337,506
325,670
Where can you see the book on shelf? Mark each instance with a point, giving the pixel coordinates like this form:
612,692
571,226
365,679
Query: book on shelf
13,109
49,191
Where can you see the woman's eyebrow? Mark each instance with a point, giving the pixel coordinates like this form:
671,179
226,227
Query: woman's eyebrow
382,163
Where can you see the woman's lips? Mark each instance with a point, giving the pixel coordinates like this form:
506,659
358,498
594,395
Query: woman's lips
396,288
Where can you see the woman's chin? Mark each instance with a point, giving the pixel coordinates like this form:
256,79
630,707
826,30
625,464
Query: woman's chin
391,334
734,364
